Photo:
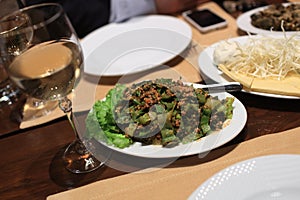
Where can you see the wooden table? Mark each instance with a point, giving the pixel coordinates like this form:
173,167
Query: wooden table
31,165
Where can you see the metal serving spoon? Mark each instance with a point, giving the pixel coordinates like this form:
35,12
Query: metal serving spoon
220,87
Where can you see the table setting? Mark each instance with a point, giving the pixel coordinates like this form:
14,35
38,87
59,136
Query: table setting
113,153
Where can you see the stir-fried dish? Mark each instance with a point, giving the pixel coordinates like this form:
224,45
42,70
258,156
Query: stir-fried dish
278,17
261,57
267,64
160,112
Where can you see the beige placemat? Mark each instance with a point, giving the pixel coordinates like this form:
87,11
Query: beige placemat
187,68
179,182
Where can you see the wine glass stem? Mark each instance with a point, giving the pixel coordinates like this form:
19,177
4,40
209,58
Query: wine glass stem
65,105
78,158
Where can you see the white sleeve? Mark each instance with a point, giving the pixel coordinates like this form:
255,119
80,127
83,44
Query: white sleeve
121,10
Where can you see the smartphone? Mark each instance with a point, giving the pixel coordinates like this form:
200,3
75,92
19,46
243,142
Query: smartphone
204,19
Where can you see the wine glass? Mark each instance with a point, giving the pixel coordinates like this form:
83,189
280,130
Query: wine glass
34,108
50,68
8,92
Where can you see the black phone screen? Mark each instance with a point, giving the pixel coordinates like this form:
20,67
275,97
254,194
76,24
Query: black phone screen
205,17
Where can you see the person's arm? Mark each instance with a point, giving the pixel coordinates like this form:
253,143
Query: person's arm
122,10
174,6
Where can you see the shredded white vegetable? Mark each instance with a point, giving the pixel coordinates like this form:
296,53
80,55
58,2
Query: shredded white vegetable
262,57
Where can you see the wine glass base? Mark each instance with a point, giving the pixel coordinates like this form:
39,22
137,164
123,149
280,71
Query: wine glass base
35,108
79,160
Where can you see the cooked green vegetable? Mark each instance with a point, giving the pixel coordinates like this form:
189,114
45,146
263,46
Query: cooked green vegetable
162,111
100,122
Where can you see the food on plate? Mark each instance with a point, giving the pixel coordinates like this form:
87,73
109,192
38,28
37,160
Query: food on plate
159,112
263,63
278,17
226,52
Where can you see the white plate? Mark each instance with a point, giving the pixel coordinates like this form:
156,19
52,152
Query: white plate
274,177
203,145
136,45
210,71
244,23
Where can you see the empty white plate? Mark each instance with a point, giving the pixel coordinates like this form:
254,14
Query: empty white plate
136,45
273,177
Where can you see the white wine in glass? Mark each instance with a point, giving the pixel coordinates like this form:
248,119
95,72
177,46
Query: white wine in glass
51,68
